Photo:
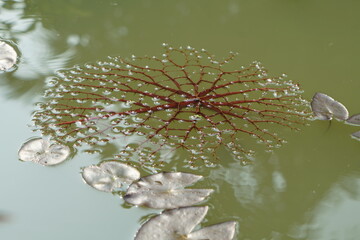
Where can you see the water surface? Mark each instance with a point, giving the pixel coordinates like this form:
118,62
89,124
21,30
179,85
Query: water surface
307,189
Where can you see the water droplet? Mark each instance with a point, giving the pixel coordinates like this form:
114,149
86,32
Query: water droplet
195,117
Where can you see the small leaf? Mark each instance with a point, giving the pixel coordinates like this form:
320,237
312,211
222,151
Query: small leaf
123,172
43,152
356,135
8,56
99,179
223,231
326,108
354,119
109,175
178,224
172,224
165,191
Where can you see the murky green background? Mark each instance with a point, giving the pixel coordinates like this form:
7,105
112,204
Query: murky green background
308,189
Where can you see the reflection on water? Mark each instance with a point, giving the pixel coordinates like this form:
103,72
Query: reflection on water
38,57
48,39
244,183
253,185
337,215
272,203
259,191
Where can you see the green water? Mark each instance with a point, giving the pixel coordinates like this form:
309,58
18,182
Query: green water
307,189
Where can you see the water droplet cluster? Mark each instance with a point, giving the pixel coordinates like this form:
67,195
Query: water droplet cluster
184,99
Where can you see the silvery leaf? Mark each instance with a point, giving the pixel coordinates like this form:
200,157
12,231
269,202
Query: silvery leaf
166,190
43,152
221,231
109,175
123,172
356,135
169,180
326,108
99,179
354,119
172,224
167,199
8,56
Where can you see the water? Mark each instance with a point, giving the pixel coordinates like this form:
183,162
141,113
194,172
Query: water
307,189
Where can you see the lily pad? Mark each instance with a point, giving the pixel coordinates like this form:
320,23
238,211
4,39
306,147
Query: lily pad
8,56
354,119
178,224
166,190
356,135
326,108
109,175
43,152
172,224
223,231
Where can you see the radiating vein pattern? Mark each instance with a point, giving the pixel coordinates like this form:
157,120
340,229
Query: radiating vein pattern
184,99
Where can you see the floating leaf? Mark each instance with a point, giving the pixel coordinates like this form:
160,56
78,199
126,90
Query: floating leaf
8,56
354,119
109,175
43,152
166,190
178,224
326,108
172,224
356,135
221,231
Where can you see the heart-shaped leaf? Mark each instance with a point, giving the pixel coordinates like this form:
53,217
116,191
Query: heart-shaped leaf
326,108
166,190
109,175
43,152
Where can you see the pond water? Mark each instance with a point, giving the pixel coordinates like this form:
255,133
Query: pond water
307,189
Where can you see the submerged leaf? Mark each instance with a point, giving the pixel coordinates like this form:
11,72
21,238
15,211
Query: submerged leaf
8,56
183,99
172,224
166,190
221,231
326,108
354,119
109,175
43,152
178,224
